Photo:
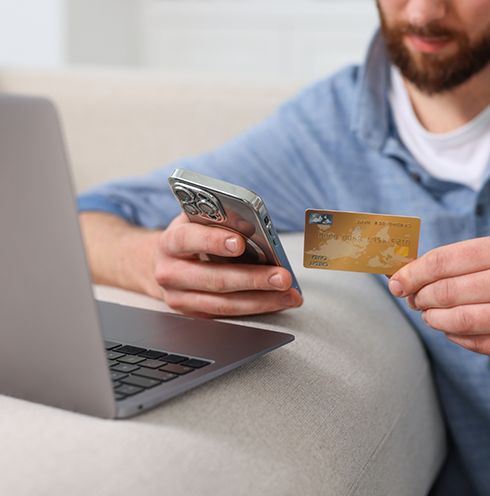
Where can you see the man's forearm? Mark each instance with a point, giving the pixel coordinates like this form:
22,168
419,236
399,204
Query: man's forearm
119,253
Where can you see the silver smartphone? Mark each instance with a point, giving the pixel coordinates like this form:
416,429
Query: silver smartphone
210,201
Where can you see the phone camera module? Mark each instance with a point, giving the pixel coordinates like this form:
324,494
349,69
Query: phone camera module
208,208
190,208
198,202
201,196
184,194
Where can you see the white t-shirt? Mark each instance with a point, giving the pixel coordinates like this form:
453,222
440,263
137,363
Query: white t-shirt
460,156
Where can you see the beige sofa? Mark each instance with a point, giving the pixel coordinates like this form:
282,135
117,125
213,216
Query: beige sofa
348,408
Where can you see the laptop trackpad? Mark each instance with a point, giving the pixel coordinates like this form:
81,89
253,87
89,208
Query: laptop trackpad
131,325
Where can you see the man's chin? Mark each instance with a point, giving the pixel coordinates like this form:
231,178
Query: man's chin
437,61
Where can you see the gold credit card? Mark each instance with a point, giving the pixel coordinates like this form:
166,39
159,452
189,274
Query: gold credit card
359,242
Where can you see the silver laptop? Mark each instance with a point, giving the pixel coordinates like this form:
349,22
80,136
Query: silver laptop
59,346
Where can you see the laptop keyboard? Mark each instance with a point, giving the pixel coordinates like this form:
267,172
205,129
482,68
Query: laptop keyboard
134,369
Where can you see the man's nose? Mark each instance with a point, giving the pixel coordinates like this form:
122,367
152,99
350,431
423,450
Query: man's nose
423,12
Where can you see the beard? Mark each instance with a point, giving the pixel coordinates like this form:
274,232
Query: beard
435,73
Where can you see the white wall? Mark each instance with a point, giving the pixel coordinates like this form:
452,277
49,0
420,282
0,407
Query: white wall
293,40
32,33
256,39
103,32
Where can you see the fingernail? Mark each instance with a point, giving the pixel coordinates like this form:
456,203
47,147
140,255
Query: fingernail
231,245
276,281
411,303
396,288
287,301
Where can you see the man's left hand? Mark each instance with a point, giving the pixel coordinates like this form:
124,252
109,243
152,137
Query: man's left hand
451,286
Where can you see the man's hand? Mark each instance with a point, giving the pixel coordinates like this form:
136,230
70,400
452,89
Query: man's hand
208,289
166,265
451,286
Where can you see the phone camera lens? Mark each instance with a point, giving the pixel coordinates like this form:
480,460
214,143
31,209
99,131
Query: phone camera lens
190,209
184,194
208,208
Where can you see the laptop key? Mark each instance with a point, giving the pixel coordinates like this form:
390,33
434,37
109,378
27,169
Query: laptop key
128,389
151,364
113,355
130,350
109,345
156,374
125,367
143,382
195,363
131,359
119,396
174,358
176,369
115,376
153,354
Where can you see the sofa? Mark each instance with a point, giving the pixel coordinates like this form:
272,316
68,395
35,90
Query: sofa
348,408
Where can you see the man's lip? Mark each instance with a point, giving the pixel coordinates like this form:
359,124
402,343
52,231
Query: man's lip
428,45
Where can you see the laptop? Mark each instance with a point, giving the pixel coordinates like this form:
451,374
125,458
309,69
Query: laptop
60,346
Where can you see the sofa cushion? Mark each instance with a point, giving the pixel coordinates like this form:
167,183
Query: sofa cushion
348,408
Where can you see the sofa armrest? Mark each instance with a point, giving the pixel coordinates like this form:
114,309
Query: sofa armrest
348,408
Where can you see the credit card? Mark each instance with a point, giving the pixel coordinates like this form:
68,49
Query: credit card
359,242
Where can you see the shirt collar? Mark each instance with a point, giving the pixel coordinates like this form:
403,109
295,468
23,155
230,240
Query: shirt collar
370,118
372,121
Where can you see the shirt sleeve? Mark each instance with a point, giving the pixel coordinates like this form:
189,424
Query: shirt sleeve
258,160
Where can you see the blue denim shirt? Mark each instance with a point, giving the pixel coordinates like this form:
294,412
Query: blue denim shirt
335,146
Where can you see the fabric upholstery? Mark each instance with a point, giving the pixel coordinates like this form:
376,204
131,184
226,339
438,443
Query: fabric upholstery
348,408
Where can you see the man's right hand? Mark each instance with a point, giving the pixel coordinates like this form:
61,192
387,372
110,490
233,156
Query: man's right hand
166,264
207,289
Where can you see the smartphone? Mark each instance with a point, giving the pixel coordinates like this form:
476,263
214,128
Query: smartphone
213,202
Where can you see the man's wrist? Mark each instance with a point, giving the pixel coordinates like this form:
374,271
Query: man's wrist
120,254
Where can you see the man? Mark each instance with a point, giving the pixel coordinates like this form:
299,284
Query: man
407,138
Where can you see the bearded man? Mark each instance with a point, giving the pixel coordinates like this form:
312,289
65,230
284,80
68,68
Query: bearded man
406,133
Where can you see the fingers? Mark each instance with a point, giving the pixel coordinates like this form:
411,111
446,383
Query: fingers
213,305
447,261
453,291
478,344
465,325
221,278
451,285
208,289
464,320
184,240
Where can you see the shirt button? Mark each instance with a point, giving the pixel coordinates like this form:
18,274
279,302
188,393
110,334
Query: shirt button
480,210
415,177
